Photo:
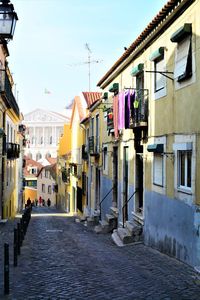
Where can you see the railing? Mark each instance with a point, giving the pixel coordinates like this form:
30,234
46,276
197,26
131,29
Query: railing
139,115
13,150
6,91
126,202
103,200
94,146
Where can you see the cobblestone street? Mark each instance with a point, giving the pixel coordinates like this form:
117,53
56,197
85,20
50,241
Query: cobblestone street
61,259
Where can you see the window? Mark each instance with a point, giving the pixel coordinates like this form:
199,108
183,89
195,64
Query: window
49,189
43,187
160,79
105,160
46,173
183,59
158,169
184,169
97,133
183,62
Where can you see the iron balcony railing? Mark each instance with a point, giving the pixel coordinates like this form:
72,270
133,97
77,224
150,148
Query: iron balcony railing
139,111
6,92
13,150
94,146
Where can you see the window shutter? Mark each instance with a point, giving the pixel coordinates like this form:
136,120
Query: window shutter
158,169
160,79
182,55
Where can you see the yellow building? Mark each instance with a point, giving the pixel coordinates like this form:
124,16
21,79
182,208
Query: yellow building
63,170
157,146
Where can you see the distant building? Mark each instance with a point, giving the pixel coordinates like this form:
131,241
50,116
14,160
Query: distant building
46,183
31,170
44,129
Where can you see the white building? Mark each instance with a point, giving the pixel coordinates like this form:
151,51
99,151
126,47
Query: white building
43,129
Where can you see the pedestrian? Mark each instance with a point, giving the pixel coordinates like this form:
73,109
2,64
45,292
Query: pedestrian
28,202
43,202
49,202
40,201
36,202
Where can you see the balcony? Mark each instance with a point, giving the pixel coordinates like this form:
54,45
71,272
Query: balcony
139,115
94,147
84,152
110,123
6,92
13,150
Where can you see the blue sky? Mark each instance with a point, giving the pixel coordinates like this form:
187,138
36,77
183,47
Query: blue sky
48,49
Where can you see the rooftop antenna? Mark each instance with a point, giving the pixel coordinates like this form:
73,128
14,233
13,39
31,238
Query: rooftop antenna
89,61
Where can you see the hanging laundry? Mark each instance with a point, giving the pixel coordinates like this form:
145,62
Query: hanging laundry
121,111
127,109
132,100
115,114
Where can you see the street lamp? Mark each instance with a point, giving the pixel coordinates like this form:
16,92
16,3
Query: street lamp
8,18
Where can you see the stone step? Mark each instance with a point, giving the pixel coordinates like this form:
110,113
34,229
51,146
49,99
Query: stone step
110,218
134,228
114,211
125,235
105,226
116,239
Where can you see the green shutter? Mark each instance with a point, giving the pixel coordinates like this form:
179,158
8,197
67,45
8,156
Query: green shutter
181,33
156,148
159,53
114,88
138,69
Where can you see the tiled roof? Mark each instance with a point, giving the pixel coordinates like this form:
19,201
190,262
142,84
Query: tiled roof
31,163
161,16
91,97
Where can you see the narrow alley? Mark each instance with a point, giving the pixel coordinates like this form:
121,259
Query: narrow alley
62,259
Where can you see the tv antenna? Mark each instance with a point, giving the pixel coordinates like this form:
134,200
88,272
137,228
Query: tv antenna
89,62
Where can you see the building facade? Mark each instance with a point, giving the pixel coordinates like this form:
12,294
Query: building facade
43,130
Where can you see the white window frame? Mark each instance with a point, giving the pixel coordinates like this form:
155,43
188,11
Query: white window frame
179,174
105,160
184,143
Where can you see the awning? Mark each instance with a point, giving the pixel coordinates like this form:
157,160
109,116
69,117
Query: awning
114,88
137,70
181,33
156,148
159,53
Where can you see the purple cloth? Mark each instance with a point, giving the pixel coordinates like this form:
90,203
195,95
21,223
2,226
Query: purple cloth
121,111
127,109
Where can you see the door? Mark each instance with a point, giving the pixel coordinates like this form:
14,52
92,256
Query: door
115,176
125,184
79,199
139,184
97,189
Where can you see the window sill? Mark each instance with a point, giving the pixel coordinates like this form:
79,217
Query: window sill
184,191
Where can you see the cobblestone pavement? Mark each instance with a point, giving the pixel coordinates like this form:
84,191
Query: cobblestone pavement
61,259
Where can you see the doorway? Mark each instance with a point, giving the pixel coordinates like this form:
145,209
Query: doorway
139,184
125,184
115,176
97,189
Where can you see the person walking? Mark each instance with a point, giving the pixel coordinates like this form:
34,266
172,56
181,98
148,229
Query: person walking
49,202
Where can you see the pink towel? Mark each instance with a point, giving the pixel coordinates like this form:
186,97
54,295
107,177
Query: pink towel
121,111
115,115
